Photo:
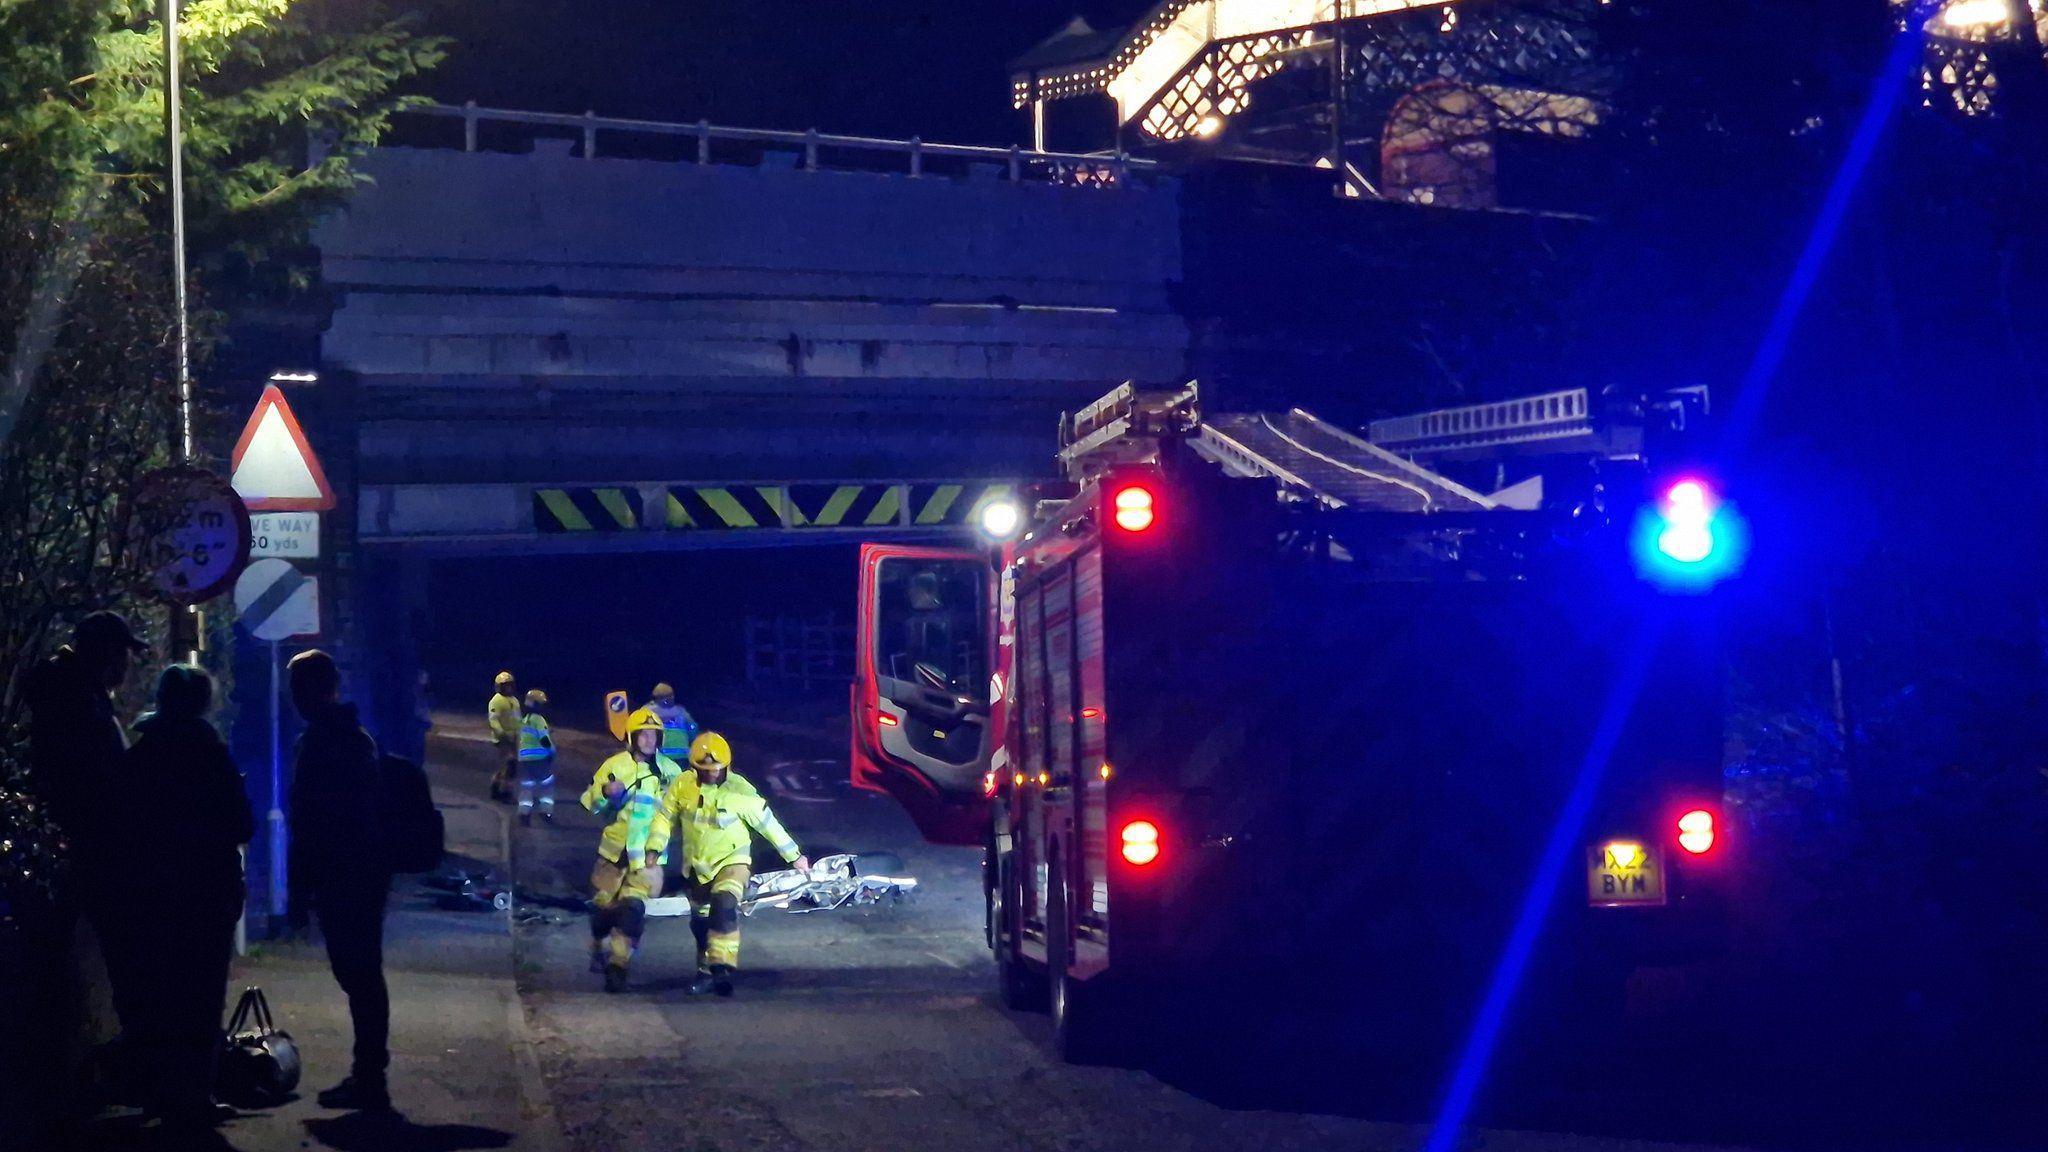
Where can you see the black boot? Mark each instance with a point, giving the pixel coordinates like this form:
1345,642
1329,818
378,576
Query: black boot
358,1093
614,978
721,979
705,984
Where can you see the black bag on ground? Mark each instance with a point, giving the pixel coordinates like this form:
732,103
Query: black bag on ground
259,1064
413,828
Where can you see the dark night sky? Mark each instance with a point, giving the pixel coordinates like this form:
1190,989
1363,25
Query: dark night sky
930,68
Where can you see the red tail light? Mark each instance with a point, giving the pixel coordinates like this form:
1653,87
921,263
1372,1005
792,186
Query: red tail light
886,720
1133,505
1696,831
1141,841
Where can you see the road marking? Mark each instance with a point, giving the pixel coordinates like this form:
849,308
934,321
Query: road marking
808,781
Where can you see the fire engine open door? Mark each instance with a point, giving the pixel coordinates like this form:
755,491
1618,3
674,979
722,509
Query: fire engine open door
920,686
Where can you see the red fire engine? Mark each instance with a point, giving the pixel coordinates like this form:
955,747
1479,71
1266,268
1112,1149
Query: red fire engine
1255,701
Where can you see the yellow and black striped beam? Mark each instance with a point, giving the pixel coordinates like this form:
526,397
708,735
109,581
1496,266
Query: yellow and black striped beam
727,507
586,509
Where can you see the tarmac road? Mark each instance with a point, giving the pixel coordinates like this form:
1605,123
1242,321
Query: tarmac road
850,1030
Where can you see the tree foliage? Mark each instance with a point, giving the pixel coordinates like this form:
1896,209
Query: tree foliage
280,97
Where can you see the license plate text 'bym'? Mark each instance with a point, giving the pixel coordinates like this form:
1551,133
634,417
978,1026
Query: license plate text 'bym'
1623,873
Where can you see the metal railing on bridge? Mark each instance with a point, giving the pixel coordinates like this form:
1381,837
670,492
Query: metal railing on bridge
811,150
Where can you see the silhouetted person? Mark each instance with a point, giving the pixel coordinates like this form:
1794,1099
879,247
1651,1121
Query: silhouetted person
74,751
337,866
180,818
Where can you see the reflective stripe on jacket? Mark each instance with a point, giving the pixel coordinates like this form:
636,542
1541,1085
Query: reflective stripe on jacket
677,730
633,813
535,741
715,821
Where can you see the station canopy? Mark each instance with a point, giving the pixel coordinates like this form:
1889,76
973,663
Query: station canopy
1189,68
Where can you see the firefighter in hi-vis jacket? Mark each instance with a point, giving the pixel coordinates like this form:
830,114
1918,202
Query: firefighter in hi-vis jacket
717,813
627,789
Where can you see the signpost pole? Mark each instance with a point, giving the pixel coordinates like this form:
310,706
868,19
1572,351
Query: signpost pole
277,832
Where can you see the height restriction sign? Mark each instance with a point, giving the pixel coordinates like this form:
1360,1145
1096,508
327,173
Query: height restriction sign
194,534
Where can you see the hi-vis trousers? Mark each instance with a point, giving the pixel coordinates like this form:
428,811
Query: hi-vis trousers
619,911
715,916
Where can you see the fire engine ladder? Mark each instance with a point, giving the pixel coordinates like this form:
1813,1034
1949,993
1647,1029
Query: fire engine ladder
1570,421
1327,464
1310,458
1126,426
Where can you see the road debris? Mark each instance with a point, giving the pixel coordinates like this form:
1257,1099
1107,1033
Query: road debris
840,881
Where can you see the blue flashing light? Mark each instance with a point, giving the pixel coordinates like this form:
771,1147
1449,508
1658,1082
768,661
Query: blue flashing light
1727,539
1689,539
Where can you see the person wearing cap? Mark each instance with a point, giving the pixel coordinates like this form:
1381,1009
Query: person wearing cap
503,716
677,727
536,760
75,746
75,741
186,815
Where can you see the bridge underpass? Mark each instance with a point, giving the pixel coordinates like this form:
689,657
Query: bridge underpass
579,371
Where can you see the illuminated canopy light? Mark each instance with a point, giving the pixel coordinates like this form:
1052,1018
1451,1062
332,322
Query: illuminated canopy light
1000,519
1974,13
1171,48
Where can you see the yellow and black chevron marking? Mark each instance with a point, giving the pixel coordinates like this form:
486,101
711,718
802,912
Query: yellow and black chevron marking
738,506
586,509
943,504
847,505
725,506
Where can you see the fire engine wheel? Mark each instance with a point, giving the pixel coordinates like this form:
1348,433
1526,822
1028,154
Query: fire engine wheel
1080,1030
1021,989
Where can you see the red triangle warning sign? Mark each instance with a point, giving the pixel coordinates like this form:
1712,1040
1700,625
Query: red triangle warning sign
274,468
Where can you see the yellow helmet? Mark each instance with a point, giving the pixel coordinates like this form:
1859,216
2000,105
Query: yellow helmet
504,680
642,721
535,698
709,750
663,689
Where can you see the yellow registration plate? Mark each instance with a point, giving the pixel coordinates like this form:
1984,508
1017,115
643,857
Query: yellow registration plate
1621,873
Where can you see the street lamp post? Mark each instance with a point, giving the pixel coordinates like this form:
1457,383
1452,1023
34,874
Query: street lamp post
174,141
184,622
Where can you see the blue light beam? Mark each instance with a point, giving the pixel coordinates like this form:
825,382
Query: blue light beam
1893,84
1535,908
1900,65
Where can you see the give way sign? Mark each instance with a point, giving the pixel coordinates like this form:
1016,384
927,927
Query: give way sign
275,470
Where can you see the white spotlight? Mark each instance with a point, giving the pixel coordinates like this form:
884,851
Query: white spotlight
1000,519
